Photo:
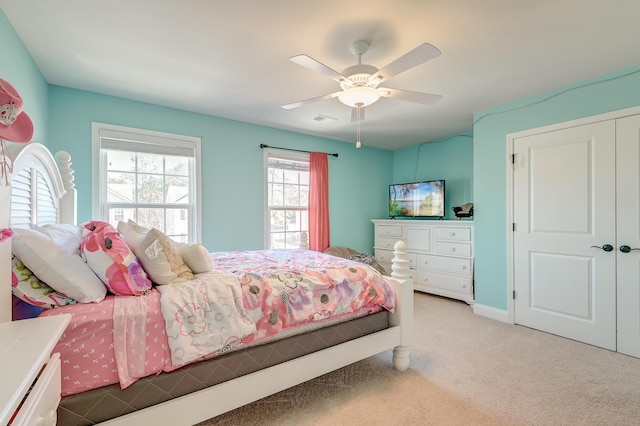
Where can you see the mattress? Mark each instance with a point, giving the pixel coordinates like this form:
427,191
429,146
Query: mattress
111,401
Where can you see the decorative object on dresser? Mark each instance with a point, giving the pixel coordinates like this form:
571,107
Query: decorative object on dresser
465,210
440,253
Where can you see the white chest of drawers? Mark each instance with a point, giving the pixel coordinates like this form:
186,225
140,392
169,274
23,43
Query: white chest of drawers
440,252
30,374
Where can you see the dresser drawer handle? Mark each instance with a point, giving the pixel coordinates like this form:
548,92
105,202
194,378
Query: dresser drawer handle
463,267
453,249
452,234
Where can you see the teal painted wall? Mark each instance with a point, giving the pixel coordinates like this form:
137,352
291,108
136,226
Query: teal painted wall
611,92
232,162
232,167
18,68
359,178
450,159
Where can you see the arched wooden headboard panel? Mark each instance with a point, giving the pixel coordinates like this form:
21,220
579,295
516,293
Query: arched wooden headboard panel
40,191
38,188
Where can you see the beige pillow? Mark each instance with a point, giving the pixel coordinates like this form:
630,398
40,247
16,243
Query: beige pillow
157,253
197,257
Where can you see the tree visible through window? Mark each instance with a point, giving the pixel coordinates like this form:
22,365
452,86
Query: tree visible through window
287,178
157,184
147,180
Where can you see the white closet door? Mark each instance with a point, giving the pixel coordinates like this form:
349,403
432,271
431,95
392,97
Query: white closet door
628,234
564,198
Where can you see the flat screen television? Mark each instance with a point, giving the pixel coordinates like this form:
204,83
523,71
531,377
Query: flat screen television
417,199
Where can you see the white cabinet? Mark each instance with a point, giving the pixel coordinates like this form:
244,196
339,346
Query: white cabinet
440,254
31,383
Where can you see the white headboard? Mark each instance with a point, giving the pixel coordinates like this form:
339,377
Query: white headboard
40,191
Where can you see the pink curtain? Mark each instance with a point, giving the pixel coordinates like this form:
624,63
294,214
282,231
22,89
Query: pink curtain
318,201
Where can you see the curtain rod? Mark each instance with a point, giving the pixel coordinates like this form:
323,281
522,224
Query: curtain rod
291,149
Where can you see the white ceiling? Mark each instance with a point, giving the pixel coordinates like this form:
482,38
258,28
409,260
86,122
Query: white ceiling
229,58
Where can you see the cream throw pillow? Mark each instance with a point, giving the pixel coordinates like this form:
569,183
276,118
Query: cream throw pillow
197,257
157,253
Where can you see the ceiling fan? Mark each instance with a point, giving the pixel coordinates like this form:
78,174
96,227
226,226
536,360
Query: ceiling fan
360,83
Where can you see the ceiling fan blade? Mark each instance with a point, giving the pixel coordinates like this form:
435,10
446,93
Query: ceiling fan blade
415,57
407,95
309,101
308,62
354,114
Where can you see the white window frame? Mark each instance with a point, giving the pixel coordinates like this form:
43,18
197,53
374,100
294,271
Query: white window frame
286,155
158,142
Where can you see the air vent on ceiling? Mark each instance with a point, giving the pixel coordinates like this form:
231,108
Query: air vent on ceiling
322,117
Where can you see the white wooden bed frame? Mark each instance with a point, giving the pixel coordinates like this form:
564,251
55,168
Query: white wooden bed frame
53,199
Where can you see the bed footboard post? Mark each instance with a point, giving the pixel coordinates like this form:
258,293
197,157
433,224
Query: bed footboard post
404,310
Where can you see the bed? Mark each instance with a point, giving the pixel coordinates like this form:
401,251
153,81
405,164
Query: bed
41,192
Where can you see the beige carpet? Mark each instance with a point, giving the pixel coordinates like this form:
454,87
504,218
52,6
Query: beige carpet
465,370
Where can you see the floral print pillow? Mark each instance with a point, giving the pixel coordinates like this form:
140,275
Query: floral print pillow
28,288
112,260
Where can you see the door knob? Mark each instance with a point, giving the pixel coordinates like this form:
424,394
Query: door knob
627,249
606,247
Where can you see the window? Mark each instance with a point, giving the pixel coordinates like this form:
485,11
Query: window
118,214
287,200
149,177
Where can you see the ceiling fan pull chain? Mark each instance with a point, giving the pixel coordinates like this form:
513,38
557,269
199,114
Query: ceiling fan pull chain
358,143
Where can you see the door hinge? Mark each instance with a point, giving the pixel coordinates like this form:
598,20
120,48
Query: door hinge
513,159
514,295
513,226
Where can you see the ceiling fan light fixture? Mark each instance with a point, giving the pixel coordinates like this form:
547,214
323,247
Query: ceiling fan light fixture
359,96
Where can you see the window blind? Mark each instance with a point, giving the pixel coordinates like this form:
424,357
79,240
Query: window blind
124,141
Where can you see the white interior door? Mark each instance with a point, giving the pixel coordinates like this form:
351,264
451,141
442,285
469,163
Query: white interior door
564,197
628,234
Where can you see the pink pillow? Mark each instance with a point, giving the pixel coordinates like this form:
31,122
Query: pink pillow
112,260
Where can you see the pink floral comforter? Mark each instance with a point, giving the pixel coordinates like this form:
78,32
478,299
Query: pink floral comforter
266,292
285,288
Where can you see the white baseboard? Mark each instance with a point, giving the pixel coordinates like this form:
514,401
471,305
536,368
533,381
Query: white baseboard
491,312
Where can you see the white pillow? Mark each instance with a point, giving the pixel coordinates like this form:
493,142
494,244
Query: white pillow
71,234
52,253
197,257
72,230
157,253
